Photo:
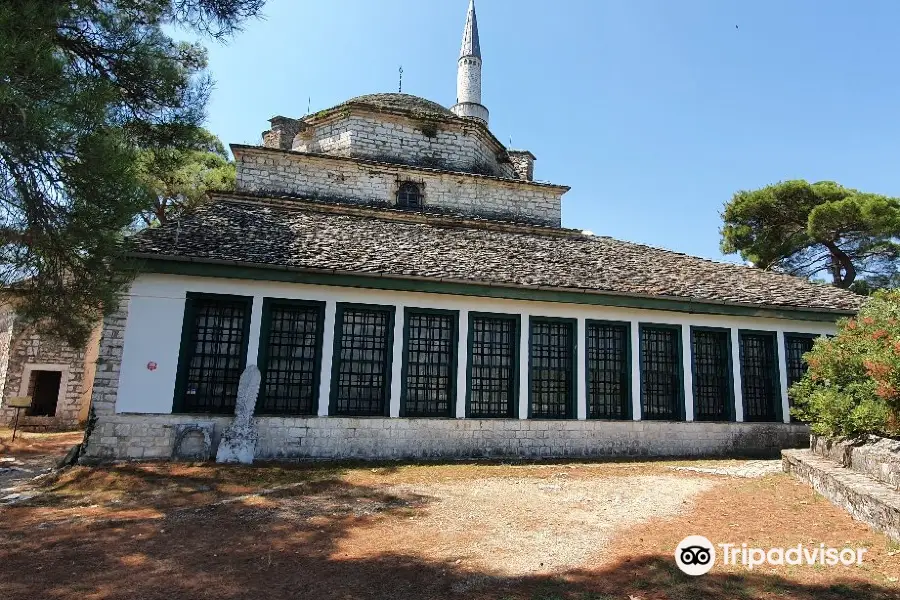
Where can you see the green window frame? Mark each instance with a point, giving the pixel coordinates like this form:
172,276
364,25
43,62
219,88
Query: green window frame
552,367
362,360
290,356
760,376
430,347
492,379
712,374
795,346
608,369
662,376
215,332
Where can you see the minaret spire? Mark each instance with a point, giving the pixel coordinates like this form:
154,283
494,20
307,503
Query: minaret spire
468,72
470,44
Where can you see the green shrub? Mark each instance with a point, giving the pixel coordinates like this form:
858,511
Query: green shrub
852,386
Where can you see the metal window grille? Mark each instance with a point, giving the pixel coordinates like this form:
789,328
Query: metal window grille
292,360
759,377
660,373
364,349
430,372
797,346
492,367
712,375
607,371
552,362
215,356
409,196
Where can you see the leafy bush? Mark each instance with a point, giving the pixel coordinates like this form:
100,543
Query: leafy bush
852,386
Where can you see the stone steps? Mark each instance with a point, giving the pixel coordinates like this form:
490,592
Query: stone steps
874,456
866,499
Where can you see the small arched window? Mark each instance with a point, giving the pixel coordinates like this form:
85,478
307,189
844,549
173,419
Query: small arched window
409,195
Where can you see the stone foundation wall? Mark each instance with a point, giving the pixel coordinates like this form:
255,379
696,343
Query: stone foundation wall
267,172
152,436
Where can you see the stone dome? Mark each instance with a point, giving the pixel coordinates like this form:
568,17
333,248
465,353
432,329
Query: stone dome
402,103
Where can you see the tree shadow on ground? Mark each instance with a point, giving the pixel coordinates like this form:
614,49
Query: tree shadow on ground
26,445
310,542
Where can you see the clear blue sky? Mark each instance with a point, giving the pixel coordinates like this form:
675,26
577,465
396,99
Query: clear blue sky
654,112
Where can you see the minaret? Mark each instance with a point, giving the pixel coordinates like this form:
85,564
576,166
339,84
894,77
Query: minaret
468,72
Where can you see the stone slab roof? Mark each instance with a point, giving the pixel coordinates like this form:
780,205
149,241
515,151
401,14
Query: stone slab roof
402,103
310,235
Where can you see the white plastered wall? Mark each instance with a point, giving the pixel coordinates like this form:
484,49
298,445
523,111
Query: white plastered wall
156,310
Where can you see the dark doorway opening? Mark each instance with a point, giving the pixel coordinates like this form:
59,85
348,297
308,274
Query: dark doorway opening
44,393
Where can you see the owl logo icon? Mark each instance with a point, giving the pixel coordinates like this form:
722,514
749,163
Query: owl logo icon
695,555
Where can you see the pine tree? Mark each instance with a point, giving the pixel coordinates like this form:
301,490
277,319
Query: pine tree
86,86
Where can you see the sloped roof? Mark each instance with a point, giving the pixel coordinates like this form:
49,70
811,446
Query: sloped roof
309,235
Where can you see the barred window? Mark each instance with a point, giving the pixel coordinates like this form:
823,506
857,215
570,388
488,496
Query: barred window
493,366
291,357
362,361
429,378
661,394
759,377
409,195
711,355
608,375
213,353
796,345
552,378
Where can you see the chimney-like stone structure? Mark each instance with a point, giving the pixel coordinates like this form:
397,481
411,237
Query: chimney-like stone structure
282,132
523,163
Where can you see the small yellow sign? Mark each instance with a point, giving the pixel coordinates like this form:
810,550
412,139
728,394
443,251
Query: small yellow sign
19,402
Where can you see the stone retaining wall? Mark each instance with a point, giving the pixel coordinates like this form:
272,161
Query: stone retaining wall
876,457
151,436
865,500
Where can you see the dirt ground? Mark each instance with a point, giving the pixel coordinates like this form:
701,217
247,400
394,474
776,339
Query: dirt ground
31,455
549,531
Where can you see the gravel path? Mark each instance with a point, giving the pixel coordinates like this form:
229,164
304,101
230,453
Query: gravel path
15,473
749,469
530,525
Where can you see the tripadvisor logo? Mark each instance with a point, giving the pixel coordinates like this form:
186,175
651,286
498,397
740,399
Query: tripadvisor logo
696,555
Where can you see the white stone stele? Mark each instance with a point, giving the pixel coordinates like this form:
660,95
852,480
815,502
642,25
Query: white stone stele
238,444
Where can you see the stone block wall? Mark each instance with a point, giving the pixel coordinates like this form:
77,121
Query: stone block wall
392,138
109,361
152,436
264,171
7,321
282,133
523,163
28,348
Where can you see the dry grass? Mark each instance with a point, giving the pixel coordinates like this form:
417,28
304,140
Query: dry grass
43,445
603,531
